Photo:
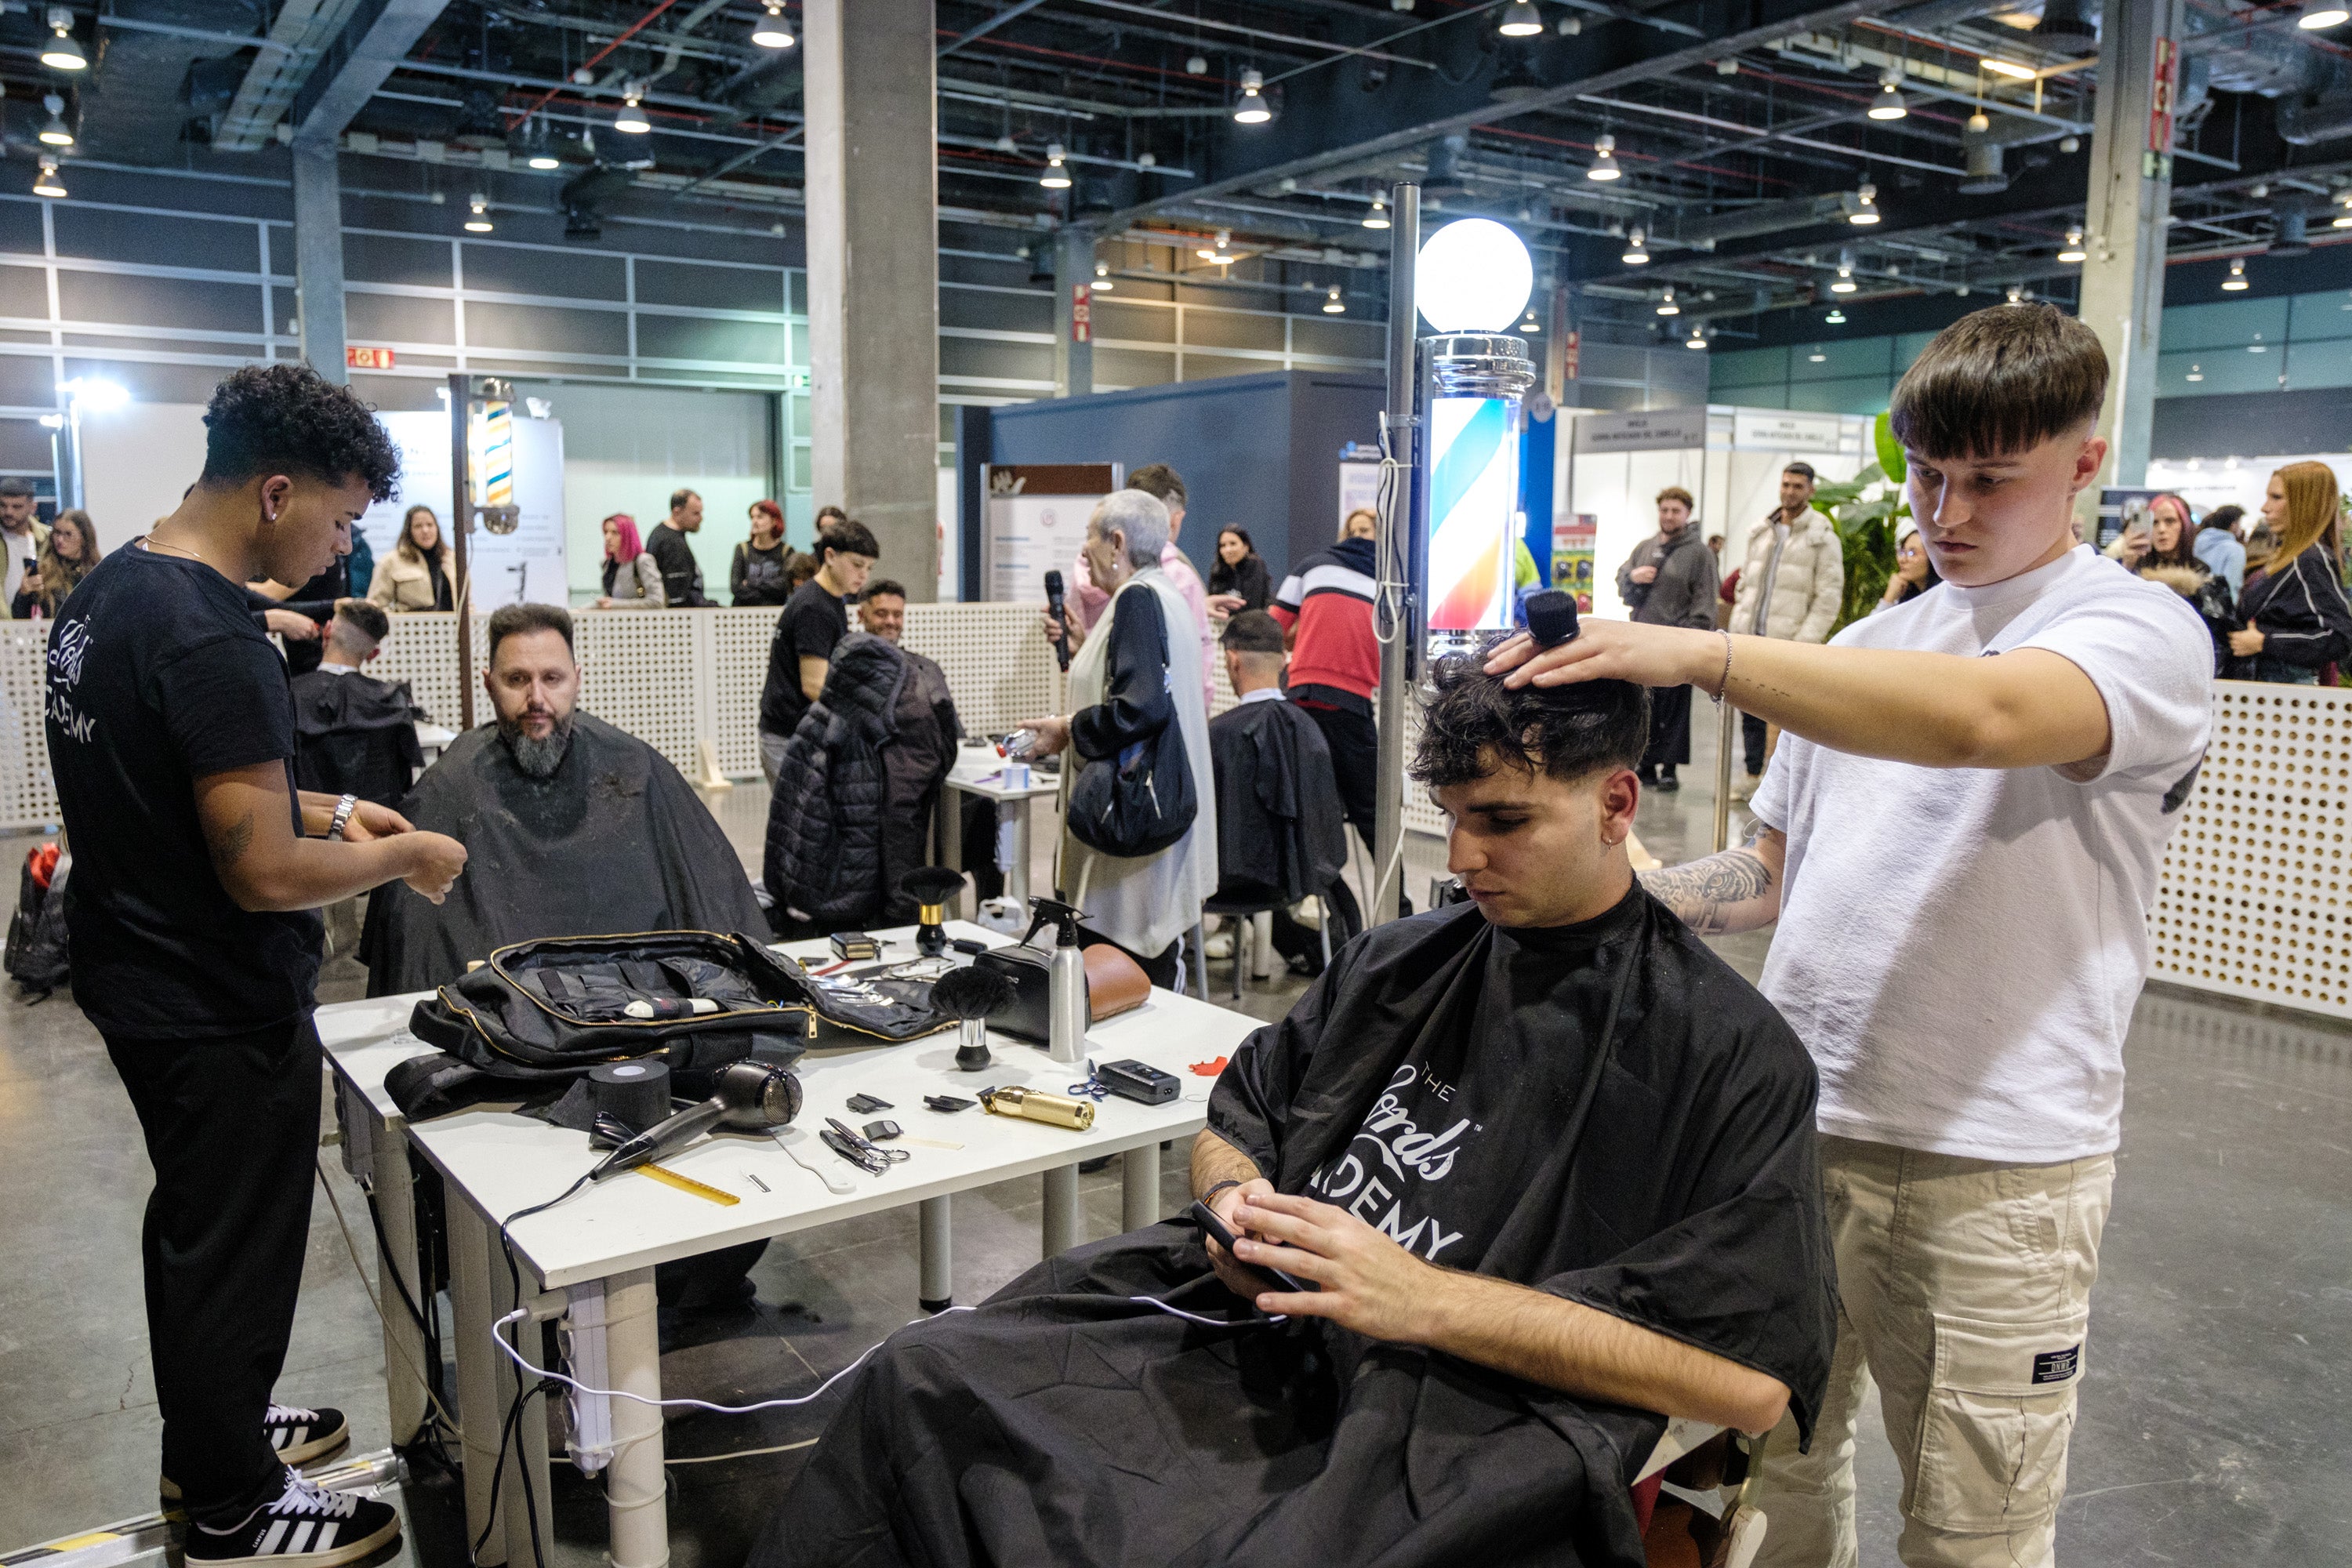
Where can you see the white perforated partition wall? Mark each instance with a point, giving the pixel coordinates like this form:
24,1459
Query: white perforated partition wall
28,795
2255,899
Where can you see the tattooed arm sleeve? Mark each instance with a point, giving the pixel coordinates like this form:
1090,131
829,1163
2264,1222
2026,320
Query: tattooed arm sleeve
1739,890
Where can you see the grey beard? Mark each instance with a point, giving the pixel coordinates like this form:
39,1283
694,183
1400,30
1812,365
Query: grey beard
538,758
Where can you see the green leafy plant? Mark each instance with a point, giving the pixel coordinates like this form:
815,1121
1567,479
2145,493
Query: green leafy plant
1867,510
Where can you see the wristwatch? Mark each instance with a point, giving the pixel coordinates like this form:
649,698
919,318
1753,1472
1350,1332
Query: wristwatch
343,809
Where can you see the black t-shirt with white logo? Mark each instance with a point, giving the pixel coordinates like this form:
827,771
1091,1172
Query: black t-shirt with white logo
157,677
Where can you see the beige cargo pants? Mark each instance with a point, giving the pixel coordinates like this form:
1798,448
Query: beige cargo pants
1964,1293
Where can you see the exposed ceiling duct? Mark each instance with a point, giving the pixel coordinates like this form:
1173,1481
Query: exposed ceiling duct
135,102
305,29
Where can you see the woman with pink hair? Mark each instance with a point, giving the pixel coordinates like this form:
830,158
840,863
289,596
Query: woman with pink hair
633,579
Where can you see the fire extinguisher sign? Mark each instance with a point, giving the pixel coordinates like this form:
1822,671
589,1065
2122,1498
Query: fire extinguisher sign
1082,313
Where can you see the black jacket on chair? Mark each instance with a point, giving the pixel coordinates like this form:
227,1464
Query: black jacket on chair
354,734
1280,829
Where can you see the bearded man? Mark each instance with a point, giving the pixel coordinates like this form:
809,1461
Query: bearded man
576,827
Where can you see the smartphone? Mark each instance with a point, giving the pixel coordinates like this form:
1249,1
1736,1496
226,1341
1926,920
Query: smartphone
1275,1278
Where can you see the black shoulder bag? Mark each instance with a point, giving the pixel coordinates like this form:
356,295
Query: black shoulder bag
1139,801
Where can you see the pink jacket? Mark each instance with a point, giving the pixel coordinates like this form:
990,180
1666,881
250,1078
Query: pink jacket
1087,602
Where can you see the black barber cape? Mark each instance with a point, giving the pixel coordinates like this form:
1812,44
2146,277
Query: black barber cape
1429,1082
614,841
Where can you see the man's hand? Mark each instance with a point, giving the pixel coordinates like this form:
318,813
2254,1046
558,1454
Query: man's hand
1053,735
1644,575
1224,1206
370,821
291,627
1224,604
437,861
2246,644
1369,1283
1614,651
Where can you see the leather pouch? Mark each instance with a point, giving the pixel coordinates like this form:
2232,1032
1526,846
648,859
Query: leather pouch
1115,985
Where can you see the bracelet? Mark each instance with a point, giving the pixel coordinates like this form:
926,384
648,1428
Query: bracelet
1217,1187
1724,680
343,809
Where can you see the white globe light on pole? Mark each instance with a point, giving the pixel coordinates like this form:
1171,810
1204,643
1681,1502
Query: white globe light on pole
1473,275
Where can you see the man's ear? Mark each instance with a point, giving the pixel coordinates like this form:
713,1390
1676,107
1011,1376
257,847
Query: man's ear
1619,795
2088,462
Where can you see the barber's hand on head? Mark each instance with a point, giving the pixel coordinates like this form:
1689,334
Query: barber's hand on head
1222,1206
1644,575
287,623
1368,1282
1053,734
1615,650
437,861
370,821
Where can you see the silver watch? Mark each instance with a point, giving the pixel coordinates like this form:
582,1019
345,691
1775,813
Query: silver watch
343,809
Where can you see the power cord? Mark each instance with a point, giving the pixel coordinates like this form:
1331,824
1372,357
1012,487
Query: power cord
441,1417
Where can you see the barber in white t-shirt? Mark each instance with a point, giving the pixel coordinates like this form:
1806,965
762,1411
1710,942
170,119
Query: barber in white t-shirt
1960,837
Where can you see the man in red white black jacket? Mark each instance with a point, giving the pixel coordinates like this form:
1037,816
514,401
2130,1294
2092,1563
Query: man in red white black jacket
1325,606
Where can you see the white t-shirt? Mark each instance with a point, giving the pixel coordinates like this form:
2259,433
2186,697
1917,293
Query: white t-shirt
1959,948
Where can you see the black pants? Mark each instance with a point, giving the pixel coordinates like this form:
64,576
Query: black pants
232,1128
1669,743
1751,731
1355,762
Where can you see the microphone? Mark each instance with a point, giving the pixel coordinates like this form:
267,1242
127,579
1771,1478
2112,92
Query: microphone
753,1095
1053,604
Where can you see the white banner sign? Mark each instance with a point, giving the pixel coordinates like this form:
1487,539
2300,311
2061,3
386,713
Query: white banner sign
1779,430
1652,431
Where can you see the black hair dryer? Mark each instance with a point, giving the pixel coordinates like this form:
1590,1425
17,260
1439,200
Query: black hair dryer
753,1096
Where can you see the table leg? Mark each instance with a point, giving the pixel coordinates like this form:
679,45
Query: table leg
1013,814
526,1452
949,831
478,1410
935,1255
393,1188
1139,1203
637,1507
1063,1230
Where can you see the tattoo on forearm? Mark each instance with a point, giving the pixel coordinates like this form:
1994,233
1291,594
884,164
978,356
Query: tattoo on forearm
1703,891
234,841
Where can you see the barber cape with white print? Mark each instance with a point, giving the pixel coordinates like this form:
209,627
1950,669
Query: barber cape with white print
1462,1089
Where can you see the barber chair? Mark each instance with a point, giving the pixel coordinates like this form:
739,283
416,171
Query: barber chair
1695,1499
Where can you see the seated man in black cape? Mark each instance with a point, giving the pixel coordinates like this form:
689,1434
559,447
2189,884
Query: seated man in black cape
353,733
1551,1165
577,828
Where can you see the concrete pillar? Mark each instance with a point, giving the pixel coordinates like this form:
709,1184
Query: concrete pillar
873,273
1073,331
318,258
2124,230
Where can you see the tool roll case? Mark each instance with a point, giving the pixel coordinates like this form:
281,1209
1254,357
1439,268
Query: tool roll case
538,1014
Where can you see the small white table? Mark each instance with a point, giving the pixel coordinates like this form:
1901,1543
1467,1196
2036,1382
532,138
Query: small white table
1012,823
594,1255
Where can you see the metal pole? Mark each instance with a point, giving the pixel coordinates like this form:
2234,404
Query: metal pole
1397,425
1726,723
461,512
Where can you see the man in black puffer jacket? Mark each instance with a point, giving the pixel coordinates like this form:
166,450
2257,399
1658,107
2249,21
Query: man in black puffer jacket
847,819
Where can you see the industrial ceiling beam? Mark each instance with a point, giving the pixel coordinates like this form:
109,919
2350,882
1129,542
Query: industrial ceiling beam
373,44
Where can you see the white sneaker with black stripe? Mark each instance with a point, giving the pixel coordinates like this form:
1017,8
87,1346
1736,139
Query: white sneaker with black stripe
298,1435
307,1527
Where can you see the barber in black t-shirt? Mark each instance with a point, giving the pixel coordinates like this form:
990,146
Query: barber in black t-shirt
199,870
815,618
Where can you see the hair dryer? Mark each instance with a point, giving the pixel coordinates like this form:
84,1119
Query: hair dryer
1053,607
753,1095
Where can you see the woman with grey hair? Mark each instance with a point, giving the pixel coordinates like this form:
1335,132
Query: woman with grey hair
1129,681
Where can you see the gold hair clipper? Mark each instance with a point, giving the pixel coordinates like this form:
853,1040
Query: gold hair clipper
1056,1110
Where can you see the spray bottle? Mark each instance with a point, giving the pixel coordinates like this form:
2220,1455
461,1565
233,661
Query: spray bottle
1067,1013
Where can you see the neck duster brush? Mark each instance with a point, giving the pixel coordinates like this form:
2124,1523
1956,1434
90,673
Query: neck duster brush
969,994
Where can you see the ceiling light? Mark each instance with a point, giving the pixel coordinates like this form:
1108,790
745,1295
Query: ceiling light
1529,326
1979,123
1845,283
1473,275
1836,318
1866,212
1103,284
2196,372
1055,177
1667,306
1220,252
2072,249
1379,217
46,182
632,118
1697,338
1251,109
1333,305
57,132
2007,67
2017,293
1889,104
770,32
1817,357
1605,161
1196,64
1520,21
2237,278
1635,255
478,220
2321,14
544,160
61,53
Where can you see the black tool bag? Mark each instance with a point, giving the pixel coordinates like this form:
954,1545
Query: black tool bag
36,958
538,1014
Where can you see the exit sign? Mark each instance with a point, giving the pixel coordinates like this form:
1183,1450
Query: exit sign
367,359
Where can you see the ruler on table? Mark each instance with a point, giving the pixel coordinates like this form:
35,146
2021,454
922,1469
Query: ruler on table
670,1178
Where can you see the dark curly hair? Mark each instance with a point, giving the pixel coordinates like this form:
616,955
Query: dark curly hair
289,419
1473,723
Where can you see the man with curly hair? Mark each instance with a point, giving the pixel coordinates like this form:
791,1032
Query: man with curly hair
200,867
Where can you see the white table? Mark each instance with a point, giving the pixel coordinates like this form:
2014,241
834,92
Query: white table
1012,819
598,1250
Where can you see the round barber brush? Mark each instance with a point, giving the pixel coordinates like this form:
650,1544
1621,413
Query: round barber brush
969,994
931,887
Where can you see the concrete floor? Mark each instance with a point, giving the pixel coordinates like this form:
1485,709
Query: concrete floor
2213,1428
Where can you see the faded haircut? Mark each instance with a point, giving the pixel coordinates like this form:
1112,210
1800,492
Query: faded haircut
2000,382
1473,723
